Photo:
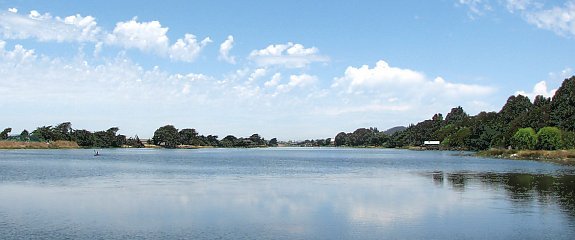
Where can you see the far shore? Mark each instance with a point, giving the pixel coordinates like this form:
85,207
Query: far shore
38,145
565,157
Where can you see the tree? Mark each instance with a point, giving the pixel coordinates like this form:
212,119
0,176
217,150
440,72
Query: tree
4,134
43,133
563,106
62,132
84,138
273,142
456,116
230,141
568,140
524,138
340,139
166,136
134,142
188,136
25,135
257,140
549,138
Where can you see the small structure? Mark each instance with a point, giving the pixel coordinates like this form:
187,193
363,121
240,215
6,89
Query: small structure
434,145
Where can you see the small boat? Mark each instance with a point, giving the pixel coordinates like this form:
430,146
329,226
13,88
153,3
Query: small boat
96,153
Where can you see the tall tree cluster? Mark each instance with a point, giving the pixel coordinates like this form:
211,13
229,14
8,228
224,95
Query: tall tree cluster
545,123
170,137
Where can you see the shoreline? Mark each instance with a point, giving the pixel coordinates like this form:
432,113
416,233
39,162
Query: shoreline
563,157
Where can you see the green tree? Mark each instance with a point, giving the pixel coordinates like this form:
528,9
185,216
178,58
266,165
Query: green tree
549,138
341,139
456,116
43,133
84,138
568,140
188,136
166,136
230,141
25,135
62,132
563,106
273,142
524,138
4,134
134,142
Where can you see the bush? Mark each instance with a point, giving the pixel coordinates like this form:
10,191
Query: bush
568,140
549,138
524,139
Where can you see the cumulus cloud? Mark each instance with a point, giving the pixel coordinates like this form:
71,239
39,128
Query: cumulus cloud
13,10
301,81
289,55
225,49
383,77
148,37
276,78
188,49
258,73
539,89
18,55
403,91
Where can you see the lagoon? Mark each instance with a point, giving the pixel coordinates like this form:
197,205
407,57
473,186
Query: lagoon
281,193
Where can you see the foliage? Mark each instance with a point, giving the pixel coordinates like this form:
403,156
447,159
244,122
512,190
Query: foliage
549,138
4,134
24,136
166,136
568,140
525,139
563,106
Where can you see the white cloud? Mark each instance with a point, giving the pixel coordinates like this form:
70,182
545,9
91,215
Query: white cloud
188,49
289,55
542,87
381,74
476,7
560,20
276,78
519,5
301,81
225,49
13,10
384,88
146,36
18,55
44,27
258,73
539,89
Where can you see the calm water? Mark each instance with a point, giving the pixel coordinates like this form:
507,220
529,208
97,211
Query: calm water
298,193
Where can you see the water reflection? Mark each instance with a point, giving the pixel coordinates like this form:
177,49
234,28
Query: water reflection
521,189
290,194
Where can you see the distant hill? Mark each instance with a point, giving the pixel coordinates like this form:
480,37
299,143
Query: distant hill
394,130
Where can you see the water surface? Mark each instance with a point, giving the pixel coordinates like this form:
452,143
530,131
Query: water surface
281,193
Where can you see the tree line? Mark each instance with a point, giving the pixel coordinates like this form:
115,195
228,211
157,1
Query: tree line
545,123
167,136
64,132
170,137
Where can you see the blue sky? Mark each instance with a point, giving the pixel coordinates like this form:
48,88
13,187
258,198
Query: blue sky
286,69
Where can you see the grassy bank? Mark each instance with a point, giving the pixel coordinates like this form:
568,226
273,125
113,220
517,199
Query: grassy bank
556,156
38,145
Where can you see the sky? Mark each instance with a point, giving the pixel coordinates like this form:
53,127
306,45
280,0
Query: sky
292,70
